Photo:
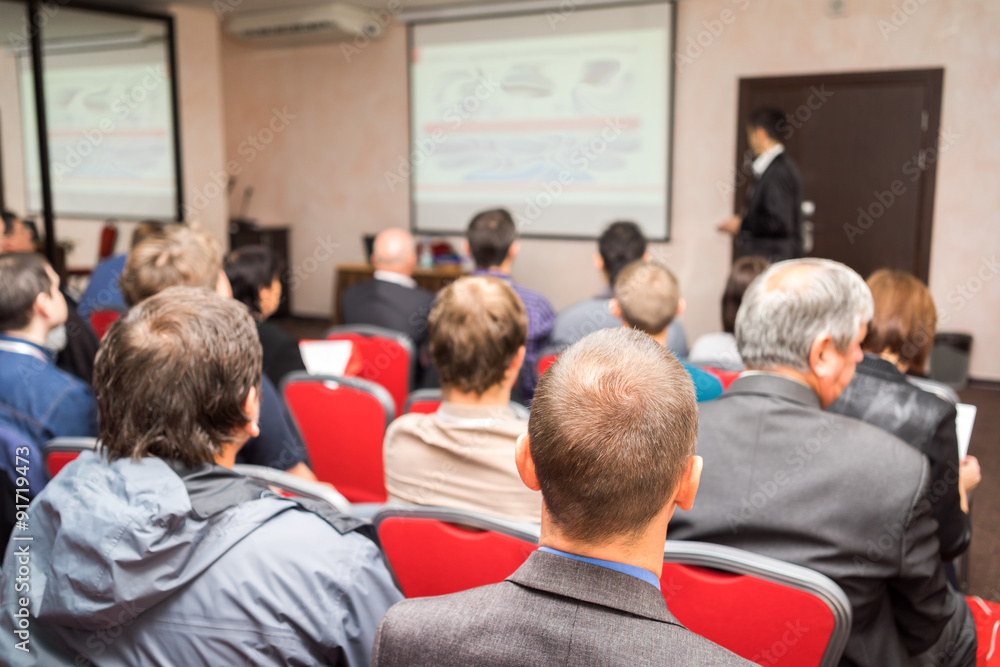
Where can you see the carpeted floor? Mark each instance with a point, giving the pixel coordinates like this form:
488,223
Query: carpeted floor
984,553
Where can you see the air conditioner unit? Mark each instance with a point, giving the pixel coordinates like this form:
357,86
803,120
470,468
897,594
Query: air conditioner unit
333,22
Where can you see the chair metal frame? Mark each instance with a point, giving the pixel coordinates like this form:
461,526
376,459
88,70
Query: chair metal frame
296,485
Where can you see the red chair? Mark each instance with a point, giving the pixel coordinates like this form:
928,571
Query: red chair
60,452
423,401
388,358
799,617
101,321
291,486
545,362
725,377
427,401
436,551
342,422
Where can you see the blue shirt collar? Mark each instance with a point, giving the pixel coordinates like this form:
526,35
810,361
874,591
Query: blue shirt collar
624,568
49,354
496,273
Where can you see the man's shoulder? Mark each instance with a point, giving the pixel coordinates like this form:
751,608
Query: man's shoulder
528,294
375,288
461,627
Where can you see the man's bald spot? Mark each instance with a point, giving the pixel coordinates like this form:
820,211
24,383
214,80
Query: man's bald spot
393,249
792,278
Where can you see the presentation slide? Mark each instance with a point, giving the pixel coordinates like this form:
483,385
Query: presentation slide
560,117
111,137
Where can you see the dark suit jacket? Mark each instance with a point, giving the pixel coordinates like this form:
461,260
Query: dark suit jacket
385,304
784,479
552,611
772,220
404,309
880,395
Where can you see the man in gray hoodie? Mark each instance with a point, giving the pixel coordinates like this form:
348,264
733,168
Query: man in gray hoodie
153,551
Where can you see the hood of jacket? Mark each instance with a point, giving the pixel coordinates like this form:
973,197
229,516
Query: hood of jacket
111,540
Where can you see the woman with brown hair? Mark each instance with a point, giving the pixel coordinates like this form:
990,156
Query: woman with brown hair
899,341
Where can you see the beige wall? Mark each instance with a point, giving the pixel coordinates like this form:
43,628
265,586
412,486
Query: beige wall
323,173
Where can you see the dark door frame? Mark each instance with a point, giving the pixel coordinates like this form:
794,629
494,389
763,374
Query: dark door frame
933,83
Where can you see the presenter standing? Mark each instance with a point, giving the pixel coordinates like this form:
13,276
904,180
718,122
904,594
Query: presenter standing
771,224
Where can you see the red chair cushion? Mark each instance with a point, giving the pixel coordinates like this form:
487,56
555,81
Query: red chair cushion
56,461
425,406
545,362
986,615
343,429
725,377
384,361
101,321
788,627
436,558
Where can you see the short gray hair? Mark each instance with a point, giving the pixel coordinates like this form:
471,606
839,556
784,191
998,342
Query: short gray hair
794,302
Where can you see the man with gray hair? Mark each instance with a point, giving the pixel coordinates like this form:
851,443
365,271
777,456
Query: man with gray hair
785,479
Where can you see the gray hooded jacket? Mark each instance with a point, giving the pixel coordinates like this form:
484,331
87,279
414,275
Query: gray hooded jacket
134,563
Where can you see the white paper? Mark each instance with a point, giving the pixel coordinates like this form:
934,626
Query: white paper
963,424
326,357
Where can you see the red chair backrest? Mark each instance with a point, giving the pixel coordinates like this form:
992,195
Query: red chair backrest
545,362
432,557
109,234
343,427
423,401
788,627
56,461
386,359
101,321
725,377
423,406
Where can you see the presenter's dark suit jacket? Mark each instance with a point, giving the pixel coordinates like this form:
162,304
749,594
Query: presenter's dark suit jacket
404,309
552,611
785,479
772,220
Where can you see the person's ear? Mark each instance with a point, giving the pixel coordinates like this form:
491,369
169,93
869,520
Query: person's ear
525,464
515,365
824,357
515,248
647,256
251,408
615,308
598,262
688,489
222,286
681,307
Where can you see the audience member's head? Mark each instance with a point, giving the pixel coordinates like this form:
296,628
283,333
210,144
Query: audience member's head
611,439
764,128
146,229
620,244
181,255
478,329
744,270
394,250
904,321
805,318
647,298
17,236
492,238
254,273
31,304
200,401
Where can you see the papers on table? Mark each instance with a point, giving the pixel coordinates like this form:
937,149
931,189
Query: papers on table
326,357
963,424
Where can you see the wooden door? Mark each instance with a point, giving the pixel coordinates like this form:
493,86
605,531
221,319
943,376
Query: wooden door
867,145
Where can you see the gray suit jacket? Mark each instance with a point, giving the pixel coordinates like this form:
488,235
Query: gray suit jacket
784,479
552,611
